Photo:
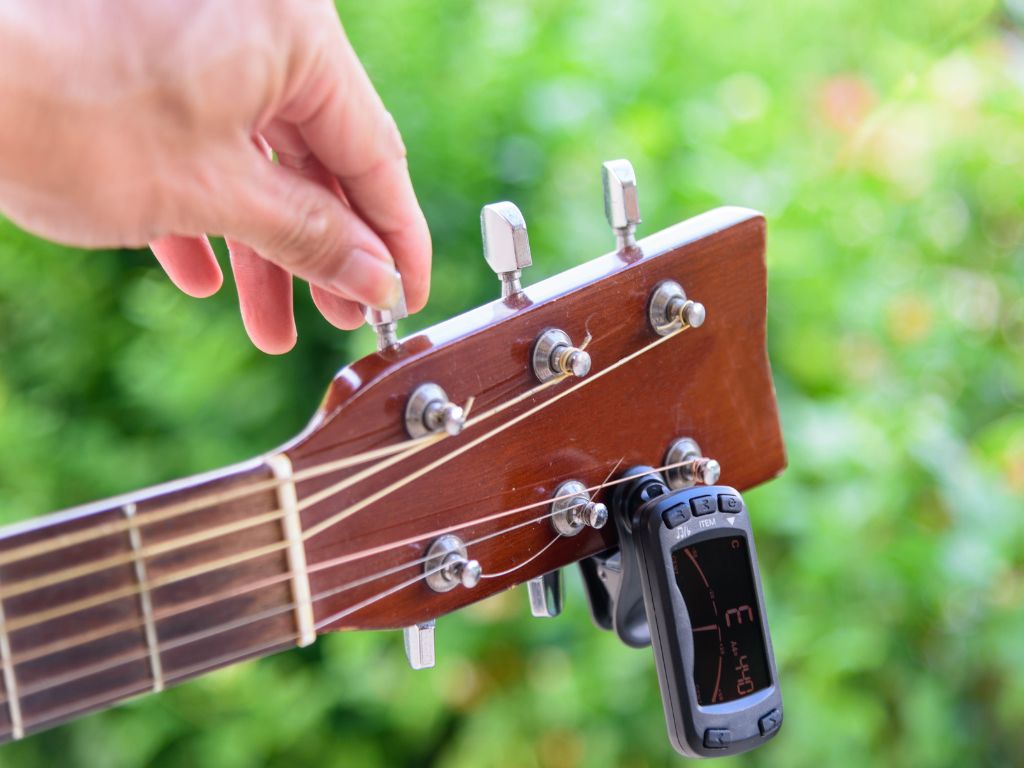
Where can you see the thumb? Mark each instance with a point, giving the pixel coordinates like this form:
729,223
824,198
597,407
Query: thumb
304,228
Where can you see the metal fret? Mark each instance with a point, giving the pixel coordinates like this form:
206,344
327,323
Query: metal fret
291,524
145,602
10,681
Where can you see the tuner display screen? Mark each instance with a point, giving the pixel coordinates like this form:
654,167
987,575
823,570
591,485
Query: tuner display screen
717,583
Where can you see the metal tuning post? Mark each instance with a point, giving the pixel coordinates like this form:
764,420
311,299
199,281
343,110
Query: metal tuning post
429,410
448,566
687,466
555,355
419,644
621,203
670,310
572,509
385,322
546,594
506,245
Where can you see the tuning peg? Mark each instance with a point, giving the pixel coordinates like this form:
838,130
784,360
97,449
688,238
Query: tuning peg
506,244
688,466
573,510
385,321
670,309
429,411
555,355
419,644
621,204
546,594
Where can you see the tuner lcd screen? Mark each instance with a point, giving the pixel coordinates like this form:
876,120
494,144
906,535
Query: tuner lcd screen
729,659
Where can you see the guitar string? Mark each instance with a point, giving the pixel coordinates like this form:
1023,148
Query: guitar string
56,681
116,594
76,640
162,514
174,510
74,606
117,695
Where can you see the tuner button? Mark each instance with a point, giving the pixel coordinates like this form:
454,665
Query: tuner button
447,566
429,411
554,355
688,466
385,322
546,595
621,203
573,510
419,644
669,309
506,244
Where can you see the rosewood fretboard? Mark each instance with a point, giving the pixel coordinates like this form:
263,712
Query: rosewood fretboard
155,615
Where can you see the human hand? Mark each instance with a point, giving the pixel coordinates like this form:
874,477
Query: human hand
124,124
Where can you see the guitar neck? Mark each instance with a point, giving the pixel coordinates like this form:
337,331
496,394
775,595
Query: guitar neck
130,595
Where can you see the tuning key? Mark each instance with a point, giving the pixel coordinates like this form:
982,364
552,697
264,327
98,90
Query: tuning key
546,594
385,322
670,309
572,509
506,245
689,466
419,644
621,203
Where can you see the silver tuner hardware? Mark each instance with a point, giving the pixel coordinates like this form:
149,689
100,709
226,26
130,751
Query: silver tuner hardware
669,310
621,204
448,566
506,245
429,411
385,322
688,466
419,644
546,595
572,509
555,355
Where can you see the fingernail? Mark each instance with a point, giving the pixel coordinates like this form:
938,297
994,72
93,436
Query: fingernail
368,279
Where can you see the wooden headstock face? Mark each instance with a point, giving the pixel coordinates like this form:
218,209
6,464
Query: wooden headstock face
711,383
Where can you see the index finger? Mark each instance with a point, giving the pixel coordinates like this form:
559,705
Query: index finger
345,124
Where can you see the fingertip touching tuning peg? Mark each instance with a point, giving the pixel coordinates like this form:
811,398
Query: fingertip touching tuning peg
506,244
621,203
385,321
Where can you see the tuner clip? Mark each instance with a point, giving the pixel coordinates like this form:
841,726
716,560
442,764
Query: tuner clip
419,644
546,595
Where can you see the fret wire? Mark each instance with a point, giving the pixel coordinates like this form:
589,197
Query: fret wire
10,680
291,525
145,602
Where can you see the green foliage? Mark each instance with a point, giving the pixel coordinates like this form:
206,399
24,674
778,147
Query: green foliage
884,142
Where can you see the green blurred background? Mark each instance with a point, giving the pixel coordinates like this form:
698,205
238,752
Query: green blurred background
885,143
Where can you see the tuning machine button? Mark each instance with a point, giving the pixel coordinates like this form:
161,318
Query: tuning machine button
385,322
687,466
506,245
546,594
419,644
572,509
554,355
447,565
429,411
621,203
670,310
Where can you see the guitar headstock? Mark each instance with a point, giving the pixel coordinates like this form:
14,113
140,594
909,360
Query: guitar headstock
564,380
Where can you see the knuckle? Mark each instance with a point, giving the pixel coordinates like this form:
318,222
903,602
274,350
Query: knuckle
302,236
